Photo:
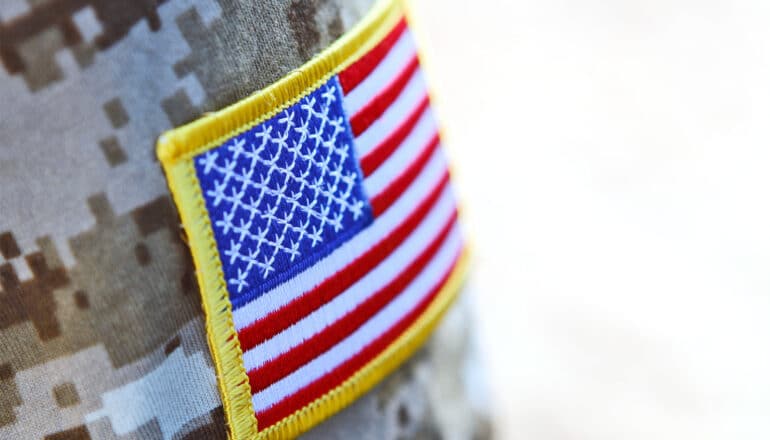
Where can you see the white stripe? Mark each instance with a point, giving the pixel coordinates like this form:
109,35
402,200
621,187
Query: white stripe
372,282
389,67
392,117
364,335
406,152
346,253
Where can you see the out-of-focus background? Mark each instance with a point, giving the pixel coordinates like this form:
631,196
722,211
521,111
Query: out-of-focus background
614,159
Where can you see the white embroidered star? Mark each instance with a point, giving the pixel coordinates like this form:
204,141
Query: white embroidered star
240,280
264,132
251,259
357,209
315,236
329,94
237,148
244,229
317,136
267,266
209,161
337,222
261,237
234,252
287,119
302,129
229,170
294,246
227,221
218,192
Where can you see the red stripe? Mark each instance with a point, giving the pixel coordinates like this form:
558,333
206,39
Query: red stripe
356,72
383,200
280,319
377,106
384,149
283,365
334,378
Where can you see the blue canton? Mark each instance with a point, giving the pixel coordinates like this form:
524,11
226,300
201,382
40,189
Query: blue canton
284,193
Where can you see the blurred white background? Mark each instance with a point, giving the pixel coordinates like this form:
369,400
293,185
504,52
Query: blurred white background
613,158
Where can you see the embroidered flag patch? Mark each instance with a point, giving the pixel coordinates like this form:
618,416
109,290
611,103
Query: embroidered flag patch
323,227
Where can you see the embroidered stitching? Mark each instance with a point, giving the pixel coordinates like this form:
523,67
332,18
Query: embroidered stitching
284,193
176,151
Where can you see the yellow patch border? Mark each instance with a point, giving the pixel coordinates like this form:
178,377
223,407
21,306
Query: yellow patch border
176,150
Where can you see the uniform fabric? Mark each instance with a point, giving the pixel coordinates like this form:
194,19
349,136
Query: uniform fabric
101,328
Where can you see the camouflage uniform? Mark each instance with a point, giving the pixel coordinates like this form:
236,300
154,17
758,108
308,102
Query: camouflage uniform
101,329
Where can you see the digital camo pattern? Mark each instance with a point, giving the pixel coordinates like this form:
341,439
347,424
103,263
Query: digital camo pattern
101,331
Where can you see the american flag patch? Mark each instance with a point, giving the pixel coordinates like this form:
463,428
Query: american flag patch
323,226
